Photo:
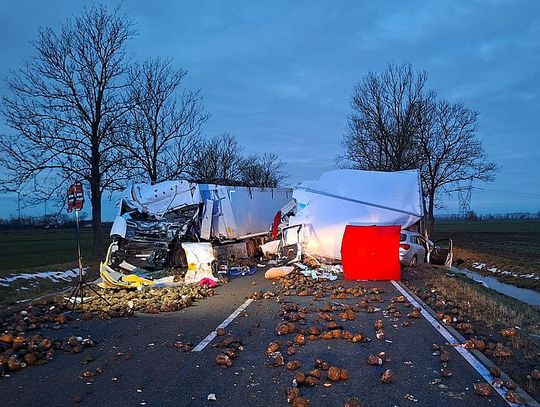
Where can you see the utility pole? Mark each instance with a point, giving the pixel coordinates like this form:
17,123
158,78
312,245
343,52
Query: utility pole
18,204
18,201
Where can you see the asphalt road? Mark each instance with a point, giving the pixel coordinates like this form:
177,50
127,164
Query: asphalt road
141,367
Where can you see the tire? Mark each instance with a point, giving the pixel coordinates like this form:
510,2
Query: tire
178,258
414,261
251,248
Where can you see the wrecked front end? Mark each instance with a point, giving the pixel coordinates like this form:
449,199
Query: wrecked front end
149,242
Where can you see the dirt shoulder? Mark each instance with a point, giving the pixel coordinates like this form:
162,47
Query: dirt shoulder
506,330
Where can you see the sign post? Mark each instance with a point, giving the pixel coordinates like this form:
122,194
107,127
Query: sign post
75,201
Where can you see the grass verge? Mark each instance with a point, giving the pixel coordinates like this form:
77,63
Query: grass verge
33,249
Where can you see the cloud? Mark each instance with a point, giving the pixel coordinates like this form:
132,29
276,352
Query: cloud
279,76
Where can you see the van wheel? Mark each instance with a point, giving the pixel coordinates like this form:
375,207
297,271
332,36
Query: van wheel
414,261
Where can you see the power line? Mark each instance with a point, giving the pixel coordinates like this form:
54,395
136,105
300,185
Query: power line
499,192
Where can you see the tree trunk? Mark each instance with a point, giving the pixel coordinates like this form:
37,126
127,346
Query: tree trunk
431,216
95,190
97,247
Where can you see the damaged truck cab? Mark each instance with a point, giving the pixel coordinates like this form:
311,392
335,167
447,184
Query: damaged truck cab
154,220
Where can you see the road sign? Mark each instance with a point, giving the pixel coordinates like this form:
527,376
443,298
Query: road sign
75,197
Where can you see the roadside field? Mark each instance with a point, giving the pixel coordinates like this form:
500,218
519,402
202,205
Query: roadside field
37,252
512,246
42,249
517,239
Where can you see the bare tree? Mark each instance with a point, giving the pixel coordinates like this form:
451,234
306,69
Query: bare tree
218,160
164,124
385,120
65,107
263,171
397,124
451,152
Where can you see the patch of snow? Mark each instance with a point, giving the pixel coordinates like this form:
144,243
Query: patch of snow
54,276
493,269
479,266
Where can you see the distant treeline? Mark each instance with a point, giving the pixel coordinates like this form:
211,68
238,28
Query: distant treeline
492,216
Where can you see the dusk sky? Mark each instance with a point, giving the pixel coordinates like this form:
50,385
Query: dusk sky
279,75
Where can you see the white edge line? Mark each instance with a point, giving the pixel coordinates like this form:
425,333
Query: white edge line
204,343
479,367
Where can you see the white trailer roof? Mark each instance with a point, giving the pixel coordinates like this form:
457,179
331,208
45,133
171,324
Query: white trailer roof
353,197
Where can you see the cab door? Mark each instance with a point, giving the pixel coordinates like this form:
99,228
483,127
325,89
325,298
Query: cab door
441,254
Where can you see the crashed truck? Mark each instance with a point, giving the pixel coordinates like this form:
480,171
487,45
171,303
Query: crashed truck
157,223
313,223
164,225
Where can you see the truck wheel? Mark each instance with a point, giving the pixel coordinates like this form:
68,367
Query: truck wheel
178,258
251,248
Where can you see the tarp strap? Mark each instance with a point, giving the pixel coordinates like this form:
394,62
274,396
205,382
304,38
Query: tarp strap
360,202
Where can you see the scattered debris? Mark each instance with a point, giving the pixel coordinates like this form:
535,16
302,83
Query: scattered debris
387,376
483,389
353,402
410,397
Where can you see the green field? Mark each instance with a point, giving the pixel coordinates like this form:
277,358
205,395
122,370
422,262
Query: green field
39,248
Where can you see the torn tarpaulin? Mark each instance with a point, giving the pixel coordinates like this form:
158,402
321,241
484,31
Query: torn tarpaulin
339,198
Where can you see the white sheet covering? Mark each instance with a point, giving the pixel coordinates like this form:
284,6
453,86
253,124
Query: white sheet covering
345,197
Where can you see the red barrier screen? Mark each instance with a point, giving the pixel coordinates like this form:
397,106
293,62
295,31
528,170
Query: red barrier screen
371,253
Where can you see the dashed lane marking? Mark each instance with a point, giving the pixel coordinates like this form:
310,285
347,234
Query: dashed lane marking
229,319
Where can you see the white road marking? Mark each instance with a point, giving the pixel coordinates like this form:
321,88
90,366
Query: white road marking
229,319
479,367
